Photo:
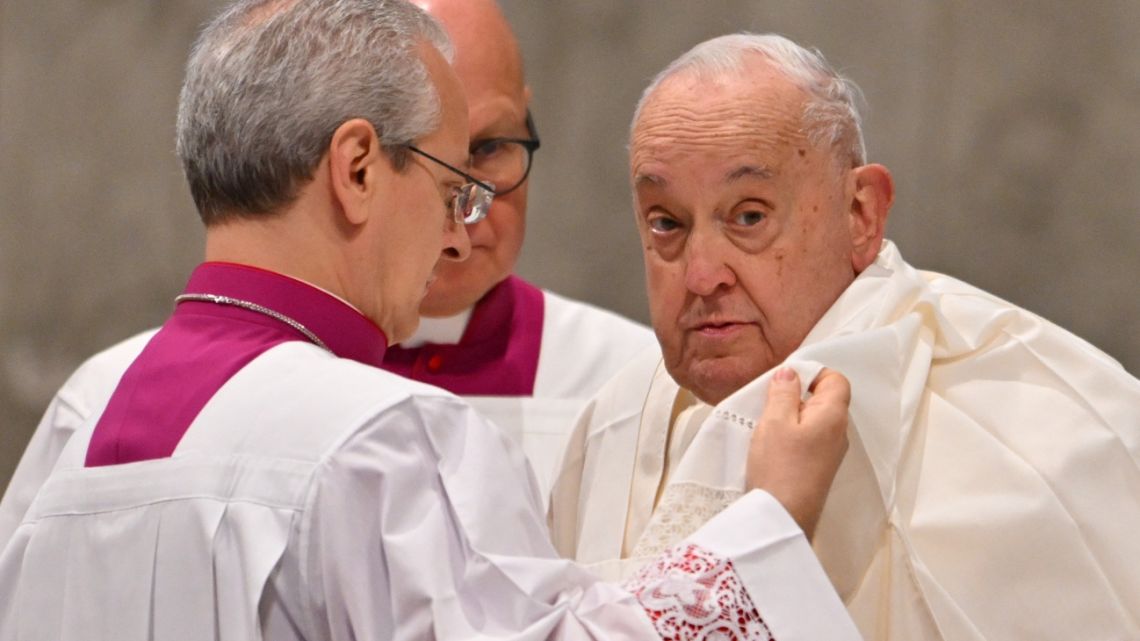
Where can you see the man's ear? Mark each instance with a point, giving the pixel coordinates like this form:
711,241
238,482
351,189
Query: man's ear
356,166
873,191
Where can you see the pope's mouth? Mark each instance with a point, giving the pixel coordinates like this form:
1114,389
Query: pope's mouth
720,329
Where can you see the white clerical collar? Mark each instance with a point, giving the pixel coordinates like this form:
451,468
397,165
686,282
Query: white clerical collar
440,331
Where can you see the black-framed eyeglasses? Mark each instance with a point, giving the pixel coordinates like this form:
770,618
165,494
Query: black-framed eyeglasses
472,199
505,161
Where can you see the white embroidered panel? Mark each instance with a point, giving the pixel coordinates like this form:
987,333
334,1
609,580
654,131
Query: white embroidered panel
691,593
683,509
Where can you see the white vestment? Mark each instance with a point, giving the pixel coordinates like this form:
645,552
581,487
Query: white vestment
83,395
991,489
317,498
582,347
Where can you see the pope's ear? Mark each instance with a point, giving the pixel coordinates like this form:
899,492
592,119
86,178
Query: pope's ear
356,161
873,191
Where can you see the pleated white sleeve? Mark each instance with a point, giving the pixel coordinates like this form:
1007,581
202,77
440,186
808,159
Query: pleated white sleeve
319,500
444,539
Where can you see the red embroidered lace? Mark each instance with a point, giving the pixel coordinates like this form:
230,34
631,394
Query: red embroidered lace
690,593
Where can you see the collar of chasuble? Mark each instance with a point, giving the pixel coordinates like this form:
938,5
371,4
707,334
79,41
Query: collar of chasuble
497,354
203,344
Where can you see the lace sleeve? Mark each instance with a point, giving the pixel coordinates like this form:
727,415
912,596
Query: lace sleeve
691,593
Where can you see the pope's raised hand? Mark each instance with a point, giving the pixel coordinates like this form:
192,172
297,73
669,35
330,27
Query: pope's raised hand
797,445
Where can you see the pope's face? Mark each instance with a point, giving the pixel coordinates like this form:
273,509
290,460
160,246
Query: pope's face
743,224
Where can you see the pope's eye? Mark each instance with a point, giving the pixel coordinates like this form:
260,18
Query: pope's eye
749,218
662,224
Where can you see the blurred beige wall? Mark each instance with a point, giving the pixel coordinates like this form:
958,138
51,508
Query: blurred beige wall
1010,127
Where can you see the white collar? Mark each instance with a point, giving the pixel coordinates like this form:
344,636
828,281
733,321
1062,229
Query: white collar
441,331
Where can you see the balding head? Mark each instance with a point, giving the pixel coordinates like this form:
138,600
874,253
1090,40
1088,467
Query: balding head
829,114
486,50
490,68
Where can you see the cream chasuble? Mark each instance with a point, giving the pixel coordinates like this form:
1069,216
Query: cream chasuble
991,489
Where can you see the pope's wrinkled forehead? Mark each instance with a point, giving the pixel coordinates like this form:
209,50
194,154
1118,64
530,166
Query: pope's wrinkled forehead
755,114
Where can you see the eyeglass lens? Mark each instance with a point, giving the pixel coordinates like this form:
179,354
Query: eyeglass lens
472,203
504,162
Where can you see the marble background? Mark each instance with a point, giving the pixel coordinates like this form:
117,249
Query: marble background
1011,129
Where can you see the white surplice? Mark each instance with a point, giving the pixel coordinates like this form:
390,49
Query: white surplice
317,498
83,395
991,490
582,347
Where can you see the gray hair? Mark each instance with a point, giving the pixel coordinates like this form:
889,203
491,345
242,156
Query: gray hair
831,116
269,81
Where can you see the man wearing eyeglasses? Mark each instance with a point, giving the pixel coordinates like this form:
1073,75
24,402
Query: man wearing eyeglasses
256,475
526,358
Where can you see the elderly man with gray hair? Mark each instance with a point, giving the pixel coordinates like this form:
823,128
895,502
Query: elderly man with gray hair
256,475
992,487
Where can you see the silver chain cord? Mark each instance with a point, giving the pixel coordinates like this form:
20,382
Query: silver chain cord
254,307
